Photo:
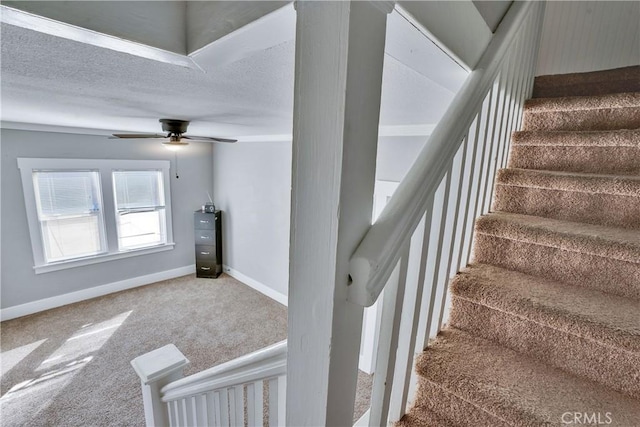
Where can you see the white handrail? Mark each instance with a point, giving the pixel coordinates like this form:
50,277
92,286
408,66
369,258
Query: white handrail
265,363
232,393
377,255
424,235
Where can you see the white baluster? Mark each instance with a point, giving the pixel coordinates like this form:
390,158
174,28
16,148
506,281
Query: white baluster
409,321
254,404
201,414
173,416
156,369
223,406
388,343
210,405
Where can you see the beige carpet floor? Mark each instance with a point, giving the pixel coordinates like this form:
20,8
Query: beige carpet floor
70,366
545,323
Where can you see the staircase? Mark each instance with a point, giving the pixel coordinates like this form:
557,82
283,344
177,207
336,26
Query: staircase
545,323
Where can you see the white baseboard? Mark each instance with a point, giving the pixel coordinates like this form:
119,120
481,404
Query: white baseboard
260,287
98,291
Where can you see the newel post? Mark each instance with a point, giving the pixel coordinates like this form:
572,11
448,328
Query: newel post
157,369
338,78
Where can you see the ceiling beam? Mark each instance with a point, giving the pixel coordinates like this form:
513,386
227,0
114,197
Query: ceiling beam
455,26
208,21
267,31
20,18
159,24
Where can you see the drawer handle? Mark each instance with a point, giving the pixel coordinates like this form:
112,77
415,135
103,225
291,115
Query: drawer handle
204,221
205,268
205,237
205,253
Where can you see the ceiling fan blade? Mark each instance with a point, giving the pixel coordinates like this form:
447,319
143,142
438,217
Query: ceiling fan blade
207,138
136,135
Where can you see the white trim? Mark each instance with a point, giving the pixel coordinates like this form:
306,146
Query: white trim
39,269
260,287
424,129
105,168
97,291
44,25
43,127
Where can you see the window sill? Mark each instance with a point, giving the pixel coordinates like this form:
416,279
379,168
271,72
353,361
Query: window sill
62,265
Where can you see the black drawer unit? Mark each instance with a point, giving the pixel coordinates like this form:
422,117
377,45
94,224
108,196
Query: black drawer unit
208,237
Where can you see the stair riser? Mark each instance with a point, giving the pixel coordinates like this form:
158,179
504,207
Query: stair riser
604,209
423,418
590,359
588,84
599,160
586,89
583,120
580,269
450,407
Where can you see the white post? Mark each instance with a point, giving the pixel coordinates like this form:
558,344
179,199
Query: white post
338,78
157,369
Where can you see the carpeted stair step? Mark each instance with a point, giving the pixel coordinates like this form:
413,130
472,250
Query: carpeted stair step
618,80
604,112
594,256
424,418
595,199
604,152
475,382
582,331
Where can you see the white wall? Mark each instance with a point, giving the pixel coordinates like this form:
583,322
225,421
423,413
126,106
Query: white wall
580,36
20,285
396,155
252,186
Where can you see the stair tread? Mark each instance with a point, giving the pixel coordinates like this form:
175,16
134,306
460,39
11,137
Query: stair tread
610,242
572,103
625,185
514,387
602,138
423,418
625,79
577,310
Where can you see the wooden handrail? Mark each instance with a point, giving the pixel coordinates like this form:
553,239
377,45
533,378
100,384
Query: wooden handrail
377,255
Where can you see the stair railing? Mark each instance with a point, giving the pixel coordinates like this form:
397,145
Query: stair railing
244,391
424,234
420,240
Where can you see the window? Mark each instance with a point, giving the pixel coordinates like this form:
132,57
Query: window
83,211
140,210
69,208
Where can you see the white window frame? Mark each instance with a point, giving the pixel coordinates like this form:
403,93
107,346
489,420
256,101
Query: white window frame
105,169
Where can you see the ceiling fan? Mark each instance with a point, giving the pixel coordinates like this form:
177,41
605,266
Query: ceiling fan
175,134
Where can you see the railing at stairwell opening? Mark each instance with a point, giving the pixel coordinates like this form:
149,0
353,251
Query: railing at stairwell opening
247,391
424,234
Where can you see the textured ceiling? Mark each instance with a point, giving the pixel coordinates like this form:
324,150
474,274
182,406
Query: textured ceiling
55,81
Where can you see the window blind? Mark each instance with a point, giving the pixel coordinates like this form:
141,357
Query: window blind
138,190
66,193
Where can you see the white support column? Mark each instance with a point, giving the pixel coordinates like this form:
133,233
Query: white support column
157,369
338,78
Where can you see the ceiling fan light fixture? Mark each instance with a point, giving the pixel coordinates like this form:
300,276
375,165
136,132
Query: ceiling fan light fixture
174,144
